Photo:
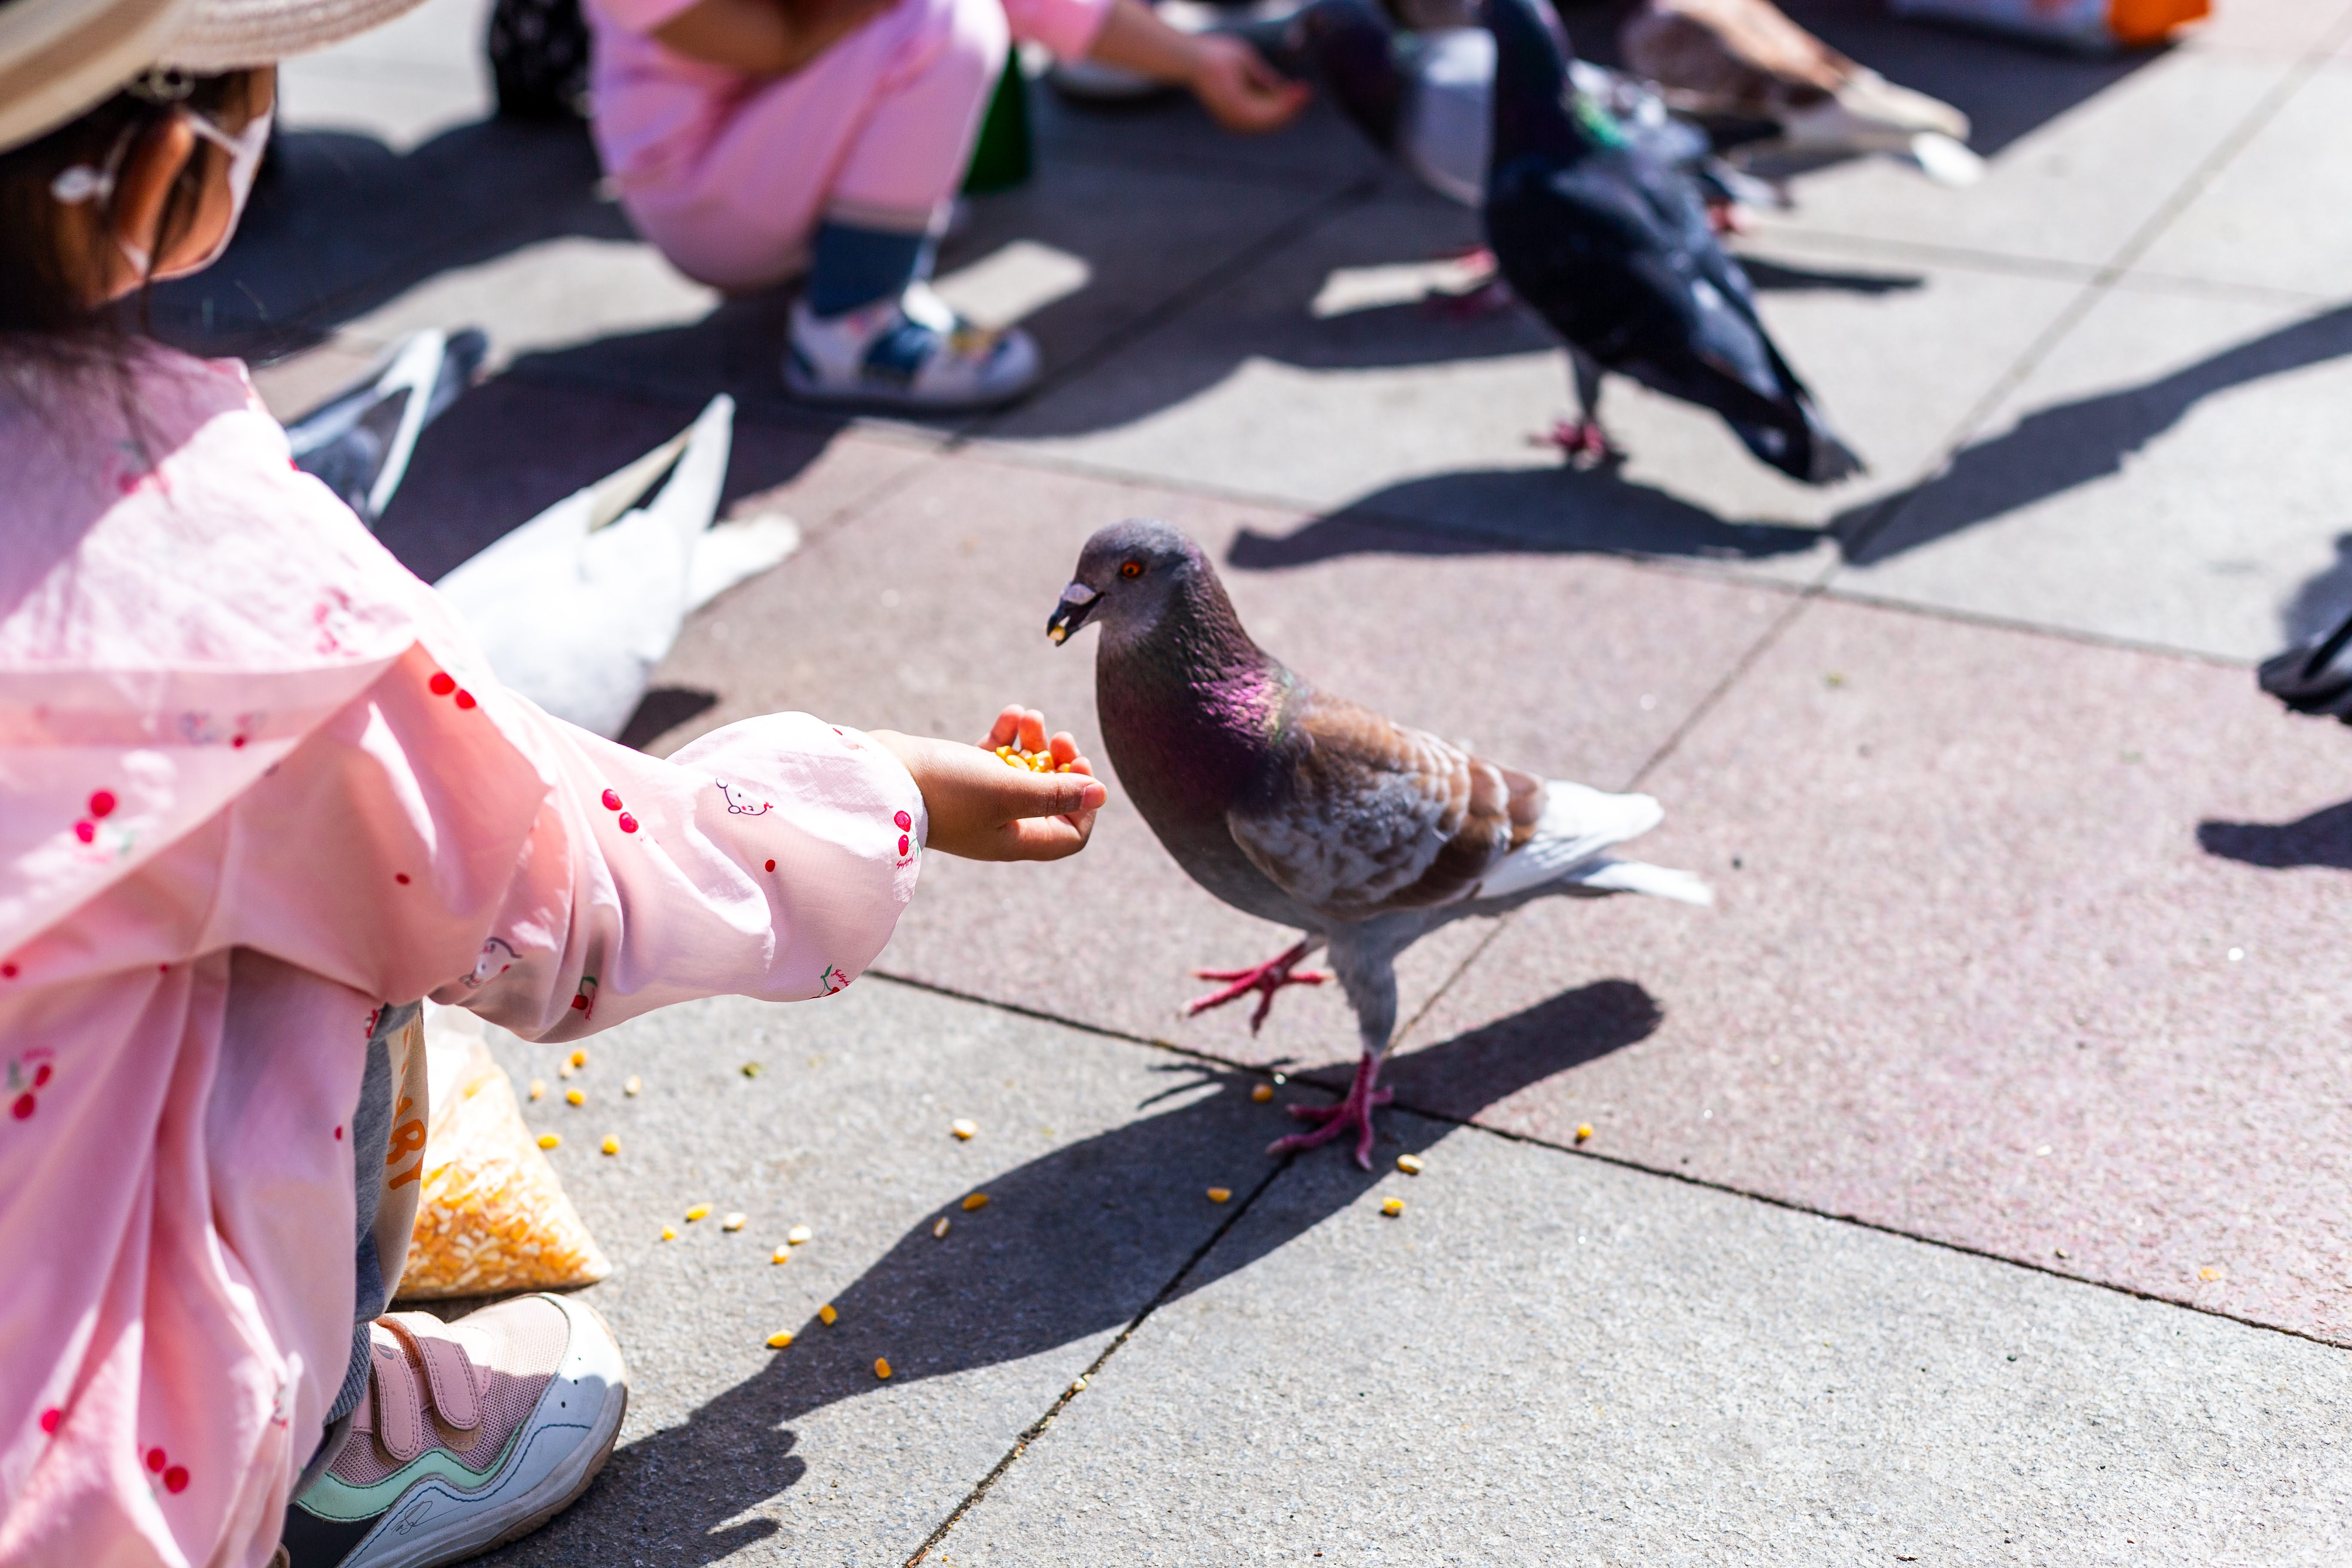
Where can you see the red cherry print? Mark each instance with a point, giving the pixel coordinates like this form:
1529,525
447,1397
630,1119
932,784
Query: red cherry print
154,1458
771,865
41,1076
175,1479
905,824
628,823
22,1108
400,878
580,1004
236,744
612,800
101,803
52,1419
902,844
85,830
8,971
465,698
441,685
339,1135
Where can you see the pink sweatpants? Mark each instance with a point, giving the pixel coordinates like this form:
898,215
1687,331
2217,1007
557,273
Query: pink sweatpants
875,133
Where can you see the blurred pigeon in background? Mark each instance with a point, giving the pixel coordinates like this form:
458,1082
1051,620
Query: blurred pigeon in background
576,607
1303,809
1743,60
359,441
1614,249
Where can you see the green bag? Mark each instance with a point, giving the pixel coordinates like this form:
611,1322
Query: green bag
1002,160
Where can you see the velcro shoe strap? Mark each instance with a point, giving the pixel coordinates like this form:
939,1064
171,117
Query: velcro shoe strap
399,1405
455,1381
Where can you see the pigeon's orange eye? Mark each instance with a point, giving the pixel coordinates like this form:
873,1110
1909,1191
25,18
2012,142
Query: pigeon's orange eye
1132,569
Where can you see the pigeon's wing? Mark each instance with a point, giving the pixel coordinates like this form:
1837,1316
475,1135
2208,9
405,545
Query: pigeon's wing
1356,815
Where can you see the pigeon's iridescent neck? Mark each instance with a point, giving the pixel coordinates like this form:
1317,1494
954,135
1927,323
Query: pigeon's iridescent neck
1192,705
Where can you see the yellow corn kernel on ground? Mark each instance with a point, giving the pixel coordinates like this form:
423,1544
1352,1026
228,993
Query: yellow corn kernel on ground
780,1338
1583,1131
611,1144
538,1089
733,1222
670,1233
2209,1273
1262,1093
580,1058
696,1211
564,1069
573,1097
799,1234
782,1254
975,1201
825,1314
752,1069
1392,1207
1218,1194
881,1368
963,1128
1408,1164
1078,1383
633,1084
548,1141
941,1228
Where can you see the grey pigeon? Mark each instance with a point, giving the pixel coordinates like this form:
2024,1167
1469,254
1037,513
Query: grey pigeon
1306,810
360,440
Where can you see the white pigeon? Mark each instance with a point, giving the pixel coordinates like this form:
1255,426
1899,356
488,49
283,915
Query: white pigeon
576,607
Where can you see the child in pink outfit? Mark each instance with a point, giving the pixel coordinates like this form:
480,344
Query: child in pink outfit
752,140
261,794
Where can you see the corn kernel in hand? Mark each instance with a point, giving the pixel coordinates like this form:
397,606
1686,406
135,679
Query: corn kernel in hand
975,1201
825,1314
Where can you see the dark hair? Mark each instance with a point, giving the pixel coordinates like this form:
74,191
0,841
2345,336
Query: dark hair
41,296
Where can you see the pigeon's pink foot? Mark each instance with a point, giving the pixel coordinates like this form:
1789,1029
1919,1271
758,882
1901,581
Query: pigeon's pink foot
1265,980
1352,1114
1486,295
1586,444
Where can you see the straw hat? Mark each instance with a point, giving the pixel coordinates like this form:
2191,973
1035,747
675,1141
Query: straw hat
59,59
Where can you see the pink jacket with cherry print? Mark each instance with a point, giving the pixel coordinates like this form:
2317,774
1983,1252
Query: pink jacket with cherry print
254,781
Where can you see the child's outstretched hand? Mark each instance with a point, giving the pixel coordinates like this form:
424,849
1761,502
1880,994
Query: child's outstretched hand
982,810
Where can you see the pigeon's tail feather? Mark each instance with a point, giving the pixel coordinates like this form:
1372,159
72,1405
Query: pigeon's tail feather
727,553
1604,875
1577,824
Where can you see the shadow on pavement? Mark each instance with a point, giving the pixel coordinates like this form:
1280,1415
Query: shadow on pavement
2322,839
1071,1244
2056,449
1516,511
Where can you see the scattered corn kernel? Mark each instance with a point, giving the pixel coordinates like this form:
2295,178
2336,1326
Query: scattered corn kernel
881,1367
2209,1273
783,1254
1078,1383
780,1338
538,1089
564,1069
975,1201
1392,1207
751,1069
798,1234
825,1314
696,1211
1218,1194
670,1233
733,1222
941,1228
1408,1164
963,1128
549,1140
580,1058
1583,1131
611,1144
573,1097
633,1084
1262,1093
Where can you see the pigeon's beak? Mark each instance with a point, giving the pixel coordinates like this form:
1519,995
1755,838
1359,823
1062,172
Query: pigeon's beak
1078,602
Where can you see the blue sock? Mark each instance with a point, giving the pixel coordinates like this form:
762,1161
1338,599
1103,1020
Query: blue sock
852,267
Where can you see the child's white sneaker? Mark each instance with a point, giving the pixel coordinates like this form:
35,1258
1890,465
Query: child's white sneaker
911,352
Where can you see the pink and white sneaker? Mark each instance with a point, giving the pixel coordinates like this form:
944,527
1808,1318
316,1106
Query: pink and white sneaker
470,1435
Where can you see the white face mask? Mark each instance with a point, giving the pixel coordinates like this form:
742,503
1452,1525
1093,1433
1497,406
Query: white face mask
83,183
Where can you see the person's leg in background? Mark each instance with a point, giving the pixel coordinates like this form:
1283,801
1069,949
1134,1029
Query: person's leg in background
849,165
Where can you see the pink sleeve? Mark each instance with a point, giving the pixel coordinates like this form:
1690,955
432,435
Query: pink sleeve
642,16
1067,28
430,841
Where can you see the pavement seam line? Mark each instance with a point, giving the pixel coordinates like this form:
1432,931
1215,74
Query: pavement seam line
1036,1428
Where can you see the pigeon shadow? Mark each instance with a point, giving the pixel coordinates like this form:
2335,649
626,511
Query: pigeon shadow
1072,1244
2056,449
2320,604
2322,839
1558,510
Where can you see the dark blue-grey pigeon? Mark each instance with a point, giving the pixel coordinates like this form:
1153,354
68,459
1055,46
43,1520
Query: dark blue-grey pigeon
1306,810
1614,249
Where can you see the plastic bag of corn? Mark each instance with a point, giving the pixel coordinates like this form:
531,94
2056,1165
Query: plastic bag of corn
490,1216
